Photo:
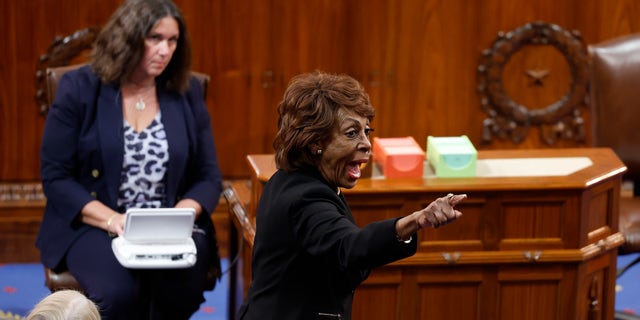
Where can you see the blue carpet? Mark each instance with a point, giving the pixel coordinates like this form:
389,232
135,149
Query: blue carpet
628,287
23,286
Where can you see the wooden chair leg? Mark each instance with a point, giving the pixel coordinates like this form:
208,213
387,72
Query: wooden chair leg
60,280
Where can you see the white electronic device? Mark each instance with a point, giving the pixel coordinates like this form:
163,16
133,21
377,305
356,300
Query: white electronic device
157,238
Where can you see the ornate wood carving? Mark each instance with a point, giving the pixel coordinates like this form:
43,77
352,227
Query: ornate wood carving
60,53
508,118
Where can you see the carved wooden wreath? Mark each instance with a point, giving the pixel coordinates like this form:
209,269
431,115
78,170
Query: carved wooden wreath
507,117
60,52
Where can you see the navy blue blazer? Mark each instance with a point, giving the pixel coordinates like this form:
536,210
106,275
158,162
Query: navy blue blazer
82,152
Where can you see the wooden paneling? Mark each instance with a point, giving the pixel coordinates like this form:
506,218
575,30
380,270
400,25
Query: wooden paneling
536,293
18,229
28,27
416,58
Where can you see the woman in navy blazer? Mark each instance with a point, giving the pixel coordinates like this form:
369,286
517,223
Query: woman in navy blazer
129,130
309,256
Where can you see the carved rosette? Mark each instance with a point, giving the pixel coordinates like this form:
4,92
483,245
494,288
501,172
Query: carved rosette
60,53
510,119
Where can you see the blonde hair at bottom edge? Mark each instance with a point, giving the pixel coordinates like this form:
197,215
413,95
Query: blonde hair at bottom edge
65,305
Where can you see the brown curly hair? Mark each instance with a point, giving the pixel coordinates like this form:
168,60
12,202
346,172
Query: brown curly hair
121,43
309,113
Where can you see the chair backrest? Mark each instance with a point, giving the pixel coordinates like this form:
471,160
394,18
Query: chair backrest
63,51
53,76
615,99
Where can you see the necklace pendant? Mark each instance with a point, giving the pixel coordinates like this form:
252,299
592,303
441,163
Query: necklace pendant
140,105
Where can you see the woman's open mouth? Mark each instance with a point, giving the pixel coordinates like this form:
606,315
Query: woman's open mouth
354,168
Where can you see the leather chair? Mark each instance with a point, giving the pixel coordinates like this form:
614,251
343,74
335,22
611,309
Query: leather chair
615,100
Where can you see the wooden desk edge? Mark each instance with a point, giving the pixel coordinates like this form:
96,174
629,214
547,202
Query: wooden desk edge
606,164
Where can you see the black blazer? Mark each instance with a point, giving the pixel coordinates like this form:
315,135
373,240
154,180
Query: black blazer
309,255
82,151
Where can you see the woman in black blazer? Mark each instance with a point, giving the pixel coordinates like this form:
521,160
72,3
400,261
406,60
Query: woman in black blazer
309,256
130,129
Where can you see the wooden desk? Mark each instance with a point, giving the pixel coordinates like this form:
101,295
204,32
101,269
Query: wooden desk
526,247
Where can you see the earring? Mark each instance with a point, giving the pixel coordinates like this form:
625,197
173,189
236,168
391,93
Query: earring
319,151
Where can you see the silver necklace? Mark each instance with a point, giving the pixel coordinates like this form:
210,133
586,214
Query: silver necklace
140,105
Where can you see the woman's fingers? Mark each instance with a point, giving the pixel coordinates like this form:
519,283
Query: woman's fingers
457,198
442,212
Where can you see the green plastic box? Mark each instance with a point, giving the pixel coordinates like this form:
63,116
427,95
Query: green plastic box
452,157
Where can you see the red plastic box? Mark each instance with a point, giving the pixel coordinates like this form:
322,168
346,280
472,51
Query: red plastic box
399,157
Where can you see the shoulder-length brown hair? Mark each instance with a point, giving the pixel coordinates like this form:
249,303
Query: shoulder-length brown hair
121,43
309,113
